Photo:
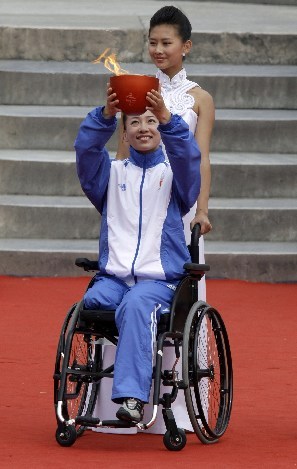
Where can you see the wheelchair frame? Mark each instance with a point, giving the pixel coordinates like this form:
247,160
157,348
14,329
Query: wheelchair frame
191,323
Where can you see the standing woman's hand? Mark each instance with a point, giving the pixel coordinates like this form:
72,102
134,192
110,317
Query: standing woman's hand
202,218
111,109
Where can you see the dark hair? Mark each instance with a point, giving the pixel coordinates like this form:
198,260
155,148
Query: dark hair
124,118
175,17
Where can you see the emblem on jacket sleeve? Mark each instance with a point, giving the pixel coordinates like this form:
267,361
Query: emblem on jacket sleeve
161,179
122,187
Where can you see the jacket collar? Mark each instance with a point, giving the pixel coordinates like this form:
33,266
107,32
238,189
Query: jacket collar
147,160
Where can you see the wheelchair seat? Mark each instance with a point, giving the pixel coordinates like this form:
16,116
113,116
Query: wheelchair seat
97,318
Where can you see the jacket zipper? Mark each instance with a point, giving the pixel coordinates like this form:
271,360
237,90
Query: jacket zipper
140,220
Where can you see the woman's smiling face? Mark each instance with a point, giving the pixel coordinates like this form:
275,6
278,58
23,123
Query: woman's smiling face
142,132
166,48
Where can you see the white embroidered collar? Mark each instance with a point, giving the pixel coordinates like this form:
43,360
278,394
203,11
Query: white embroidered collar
175,91
173,83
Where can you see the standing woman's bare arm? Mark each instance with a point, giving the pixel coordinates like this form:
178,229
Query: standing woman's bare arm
206,117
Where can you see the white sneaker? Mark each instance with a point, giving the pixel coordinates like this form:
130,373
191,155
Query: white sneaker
131,410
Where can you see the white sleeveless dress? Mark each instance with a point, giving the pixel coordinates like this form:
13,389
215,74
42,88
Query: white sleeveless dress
177,101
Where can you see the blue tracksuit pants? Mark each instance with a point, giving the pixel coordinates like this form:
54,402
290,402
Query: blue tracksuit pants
138,309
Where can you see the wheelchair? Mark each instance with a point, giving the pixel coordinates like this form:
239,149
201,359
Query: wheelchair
192,326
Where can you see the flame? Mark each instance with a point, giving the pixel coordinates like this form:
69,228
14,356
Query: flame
110,62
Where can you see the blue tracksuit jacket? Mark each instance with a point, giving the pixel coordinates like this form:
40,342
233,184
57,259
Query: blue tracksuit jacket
141,199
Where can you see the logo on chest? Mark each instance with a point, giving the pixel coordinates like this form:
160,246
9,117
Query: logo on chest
122,187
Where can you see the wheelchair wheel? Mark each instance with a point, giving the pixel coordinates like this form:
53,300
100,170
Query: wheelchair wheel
80,392
174,444
66,436
207,370
60,354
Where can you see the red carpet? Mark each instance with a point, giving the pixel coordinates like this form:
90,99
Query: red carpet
261,321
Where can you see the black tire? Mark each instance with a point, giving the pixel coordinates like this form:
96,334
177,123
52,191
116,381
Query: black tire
66,436
80,395
173,445
207,370
80,392
60,354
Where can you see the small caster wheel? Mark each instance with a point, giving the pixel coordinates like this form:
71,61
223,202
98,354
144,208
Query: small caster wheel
175,444
66,436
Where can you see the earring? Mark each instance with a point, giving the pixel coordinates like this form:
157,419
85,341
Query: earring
183,54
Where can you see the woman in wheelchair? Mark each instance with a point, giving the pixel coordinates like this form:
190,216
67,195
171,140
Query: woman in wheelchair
142,247
144,296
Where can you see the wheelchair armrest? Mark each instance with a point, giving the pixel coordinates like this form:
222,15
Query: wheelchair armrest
196,269
86,264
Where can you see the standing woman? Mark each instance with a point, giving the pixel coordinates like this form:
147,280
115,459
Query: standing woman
169,44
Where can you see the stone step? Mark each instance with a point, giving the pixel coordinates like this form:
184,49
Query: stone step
45,257
222,32
253,219
54,217
253,175
236,130
58,217
39,172
255,131
45,172
254,261
263,2
28,82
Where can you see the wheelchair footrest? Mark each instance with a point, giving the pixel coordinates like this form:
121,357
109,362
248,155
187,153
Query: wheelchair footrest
87,421
117,424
